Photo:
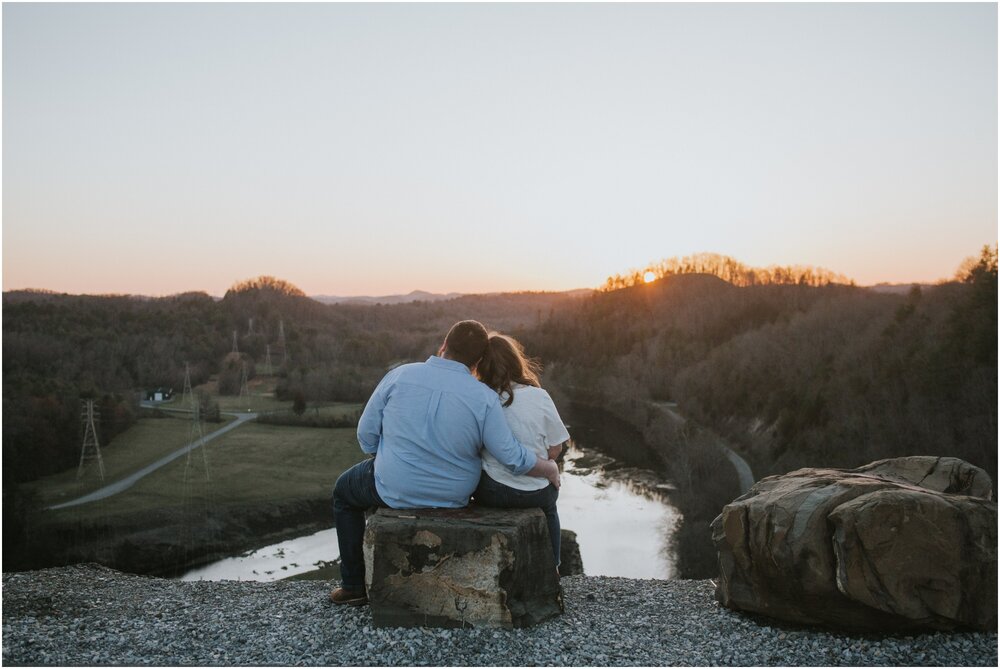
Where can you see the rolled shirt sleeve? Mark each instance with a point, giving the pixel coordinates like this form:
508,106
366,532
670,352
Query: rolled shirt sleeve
500,441
555,429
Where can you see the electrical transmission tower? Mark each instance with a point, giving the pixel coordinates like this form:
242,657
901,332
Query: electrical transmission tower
267,361
281,343
187,399
196,439
91,449
236,348
244,388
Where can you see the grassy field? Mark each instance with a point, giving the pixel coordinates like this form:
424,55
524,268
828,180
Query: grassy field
252,483
339,409
257,402
253,463
261,398
269,463
146,441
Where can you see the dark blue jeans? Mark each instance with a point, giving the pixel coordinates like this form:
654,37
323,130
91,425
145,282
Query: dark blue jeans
354,494
491,493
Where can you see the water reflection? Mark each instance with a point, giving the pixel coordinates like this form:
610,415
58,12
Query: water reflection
615,442
610,496
273,563
623,525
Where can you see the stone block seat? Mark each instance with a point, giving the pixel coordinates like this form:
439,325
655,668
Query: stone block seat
475,566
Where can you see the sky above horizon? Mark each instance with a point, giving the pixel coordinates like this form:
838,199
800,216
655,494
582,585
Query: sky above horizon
374,149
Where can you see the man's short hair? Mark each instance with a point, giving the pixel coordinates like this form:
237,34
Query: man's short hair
466,342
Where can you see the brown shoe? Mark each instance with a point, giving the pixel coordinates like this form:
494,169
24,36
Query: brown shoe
352,597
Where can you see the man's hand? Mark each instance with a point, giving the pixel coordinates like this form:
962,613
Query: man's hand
545,469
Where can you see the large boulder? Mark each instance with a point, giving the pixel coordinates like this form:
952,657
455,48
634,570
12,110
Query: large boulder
899,544
474,567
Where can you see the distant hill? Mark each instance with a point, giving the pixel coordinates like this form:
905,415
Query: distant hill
413,296
58,347
41,296
898,288
424,296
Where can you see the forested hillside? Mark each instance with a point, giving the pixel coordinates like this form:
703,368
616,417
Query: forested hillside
793,375
786,366
58,349
802,373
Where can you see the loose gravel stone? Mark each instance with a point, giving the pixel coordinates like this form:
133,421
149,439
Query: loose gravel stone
87,615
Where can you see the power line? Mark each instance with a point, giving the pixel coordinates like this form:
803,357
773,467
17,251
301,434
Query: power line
196,439
187,398
244,387
281,343
91,449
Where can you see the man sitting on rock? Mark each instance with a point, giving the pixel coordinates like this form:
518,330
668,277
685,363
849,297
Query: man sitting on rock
425,424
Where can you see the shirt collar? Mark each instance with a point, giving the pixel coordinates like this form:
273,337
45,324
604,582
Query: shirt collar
444,363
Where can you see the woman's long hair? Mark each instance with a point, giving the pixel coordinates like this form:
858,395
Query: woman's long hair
505,363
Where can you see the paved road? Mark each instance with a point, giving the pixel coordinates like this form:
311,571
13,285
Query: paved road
132,479
743,472
742,468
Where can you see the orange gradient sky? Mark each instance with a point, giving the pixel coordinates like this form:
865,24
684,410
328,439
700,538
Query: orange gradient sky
377,149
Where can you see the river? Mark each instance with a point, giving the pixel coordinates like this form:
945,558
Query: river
610,496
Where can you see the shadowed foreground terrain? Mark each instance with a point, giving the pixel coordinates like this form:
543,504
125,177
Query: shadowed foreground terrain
90,615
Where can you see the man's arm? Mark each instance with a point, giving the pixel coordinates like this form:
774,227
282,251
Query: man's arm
370,423
546,469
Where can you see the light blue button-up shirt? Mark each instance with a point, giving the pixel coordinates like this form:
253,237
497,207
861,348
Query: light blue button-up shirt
426,423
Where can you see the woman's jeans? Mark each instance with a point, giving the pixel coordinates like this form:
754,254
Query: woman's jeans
354,494
491,493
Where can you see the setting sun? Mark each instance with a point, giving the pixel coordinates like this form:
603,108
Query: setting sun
649,276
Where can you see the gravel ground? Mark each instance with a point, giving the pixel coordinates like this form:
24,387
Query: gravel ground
87,615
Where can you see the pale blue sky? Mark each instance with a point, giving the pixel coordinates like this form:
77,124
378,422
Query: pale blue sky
375,149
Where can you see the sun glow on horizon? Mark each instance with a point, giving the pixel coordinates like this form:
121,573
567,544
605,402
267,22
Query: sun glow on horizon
649,276
485,176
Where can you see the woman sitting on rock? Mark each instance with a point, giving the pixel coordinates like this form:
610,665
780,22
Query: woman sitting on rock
533,419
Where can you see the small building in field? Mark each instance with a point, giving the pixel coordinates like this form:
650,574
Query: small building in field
159,394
